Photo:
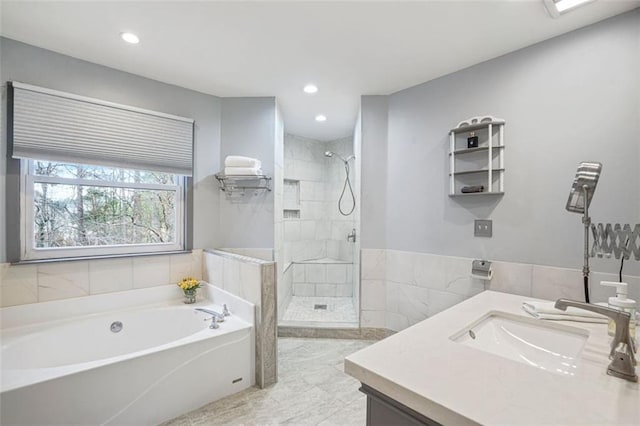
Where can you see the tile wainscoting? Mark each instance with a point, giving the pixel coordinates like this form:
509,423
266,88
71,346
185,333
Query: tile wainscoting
401,288
43,282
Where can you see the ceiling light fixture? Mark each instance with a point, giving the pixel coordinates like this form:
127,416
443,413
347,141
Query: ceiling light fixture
310,88
321,118
558,7
130,38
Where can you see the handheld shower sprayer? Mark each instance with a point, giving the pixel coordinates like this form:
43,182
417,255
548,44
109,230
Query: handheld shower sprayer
347,182
583,187
582,190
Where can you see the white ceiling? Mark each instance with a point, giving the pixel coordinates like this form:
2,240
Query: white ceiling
274,48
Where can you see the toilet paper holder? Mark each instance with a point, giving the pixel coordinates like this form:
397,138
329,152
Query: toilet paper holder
481,269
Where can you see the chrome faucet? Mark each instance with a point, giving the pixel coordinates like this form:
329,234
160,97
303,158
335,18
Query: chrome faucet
218,316
622,357
352,236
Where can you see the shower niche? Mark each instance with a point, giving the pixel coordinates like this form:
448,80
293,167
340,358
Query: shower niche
291,199
320,278
476,157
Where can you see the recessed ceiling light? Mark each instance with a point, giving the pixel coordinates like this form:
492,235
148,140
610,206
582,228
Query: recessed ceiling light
130,38
310,88
558,7
321,117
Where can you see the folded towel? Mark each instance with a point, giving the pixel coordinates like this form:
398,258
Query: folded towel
240,161
242,171
547,311
472,189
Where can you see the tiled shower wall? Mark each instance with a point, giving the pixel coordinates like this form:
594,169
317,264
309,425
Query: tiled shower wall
320,231
402,288
42,282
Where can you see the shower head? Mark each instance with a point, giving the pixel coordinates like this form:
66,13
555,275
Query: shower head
585,182
331,154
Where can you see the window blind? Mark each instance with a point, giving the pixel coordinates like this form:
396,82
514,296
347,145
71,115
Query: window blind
58,126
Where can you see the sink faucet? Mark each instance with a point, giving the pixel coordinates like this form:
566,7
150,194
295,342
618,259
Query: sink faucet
622,357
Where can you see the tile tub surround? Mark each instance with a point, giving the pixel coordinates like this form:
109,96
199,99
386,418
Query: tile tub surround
402,288
258,253
42,282
253,280
451,383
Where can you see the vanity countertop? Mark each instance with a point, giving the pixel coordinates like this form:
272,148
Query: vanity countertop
453,384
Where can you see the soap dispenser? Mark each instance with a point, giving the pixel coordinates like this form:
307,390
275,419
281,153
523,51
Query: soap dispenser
621,303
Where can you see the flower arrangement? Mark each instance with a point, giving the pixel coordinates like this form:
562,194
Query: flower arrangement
189,287
189,284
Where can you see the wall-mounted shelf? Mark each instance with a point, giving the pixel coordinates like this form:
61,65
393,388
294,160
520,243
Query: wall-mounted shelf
240,184
473,194
469,172
481,165
470,150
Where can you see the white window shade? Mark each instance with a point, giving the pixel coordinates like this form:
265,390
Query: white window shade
58,126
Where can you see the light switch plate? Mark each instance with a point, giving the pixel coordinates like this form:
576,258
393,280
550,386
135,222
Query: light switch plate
483,228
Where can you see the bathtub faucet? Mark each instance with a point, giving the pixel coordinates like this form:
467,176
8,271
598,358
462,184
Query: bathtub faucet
218,316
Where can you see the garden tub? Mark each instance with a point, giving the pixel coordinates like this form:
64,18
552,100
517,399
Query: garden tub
134,357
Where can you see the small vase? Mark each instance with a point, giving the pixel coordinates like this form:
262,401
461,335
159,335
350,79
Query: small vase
190,296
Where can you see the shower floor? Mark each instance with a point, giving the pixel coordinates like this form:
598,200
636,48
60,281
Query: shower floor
316,311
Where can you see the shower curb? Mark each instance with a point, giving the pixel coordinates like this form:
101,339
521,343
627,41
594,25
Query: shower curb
335,333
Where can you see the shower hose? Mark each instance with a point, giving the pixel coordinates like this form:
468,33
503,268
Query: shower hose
347,182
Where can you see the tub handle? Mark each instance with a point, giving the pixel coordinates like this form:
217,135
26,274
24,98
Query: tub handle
214,322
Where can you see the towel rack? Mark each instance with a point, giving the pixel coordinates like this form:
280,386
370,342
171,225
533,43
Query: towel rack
240,184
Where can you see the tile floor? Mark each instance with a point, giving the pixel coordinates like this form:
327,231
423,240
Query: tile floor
301,309
312,390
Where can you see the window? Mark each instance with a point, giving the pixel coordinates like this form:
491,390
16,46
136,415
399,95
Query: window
97,178
72,210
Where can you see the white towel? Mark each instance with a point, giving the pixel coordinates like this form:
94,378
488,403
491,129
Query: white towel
240,161
242,171
547,311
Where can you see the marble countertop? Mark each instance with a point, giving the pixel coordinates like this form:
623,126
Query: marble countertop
422,368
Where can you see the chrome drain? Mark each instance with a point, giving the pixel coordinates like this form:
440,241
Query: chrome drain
116,327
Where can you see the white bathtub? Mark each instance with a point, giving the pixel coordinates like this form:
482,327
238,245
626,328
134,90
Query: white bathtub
62,364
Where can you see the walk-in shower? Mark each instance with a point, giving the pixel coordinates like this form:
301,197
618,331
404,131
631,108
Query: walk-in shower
347,182
320,279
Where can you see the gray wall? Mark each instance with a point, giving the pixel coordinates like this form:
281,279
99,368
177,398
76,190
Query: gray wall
566,100
374,169
249,129
223,126
29,64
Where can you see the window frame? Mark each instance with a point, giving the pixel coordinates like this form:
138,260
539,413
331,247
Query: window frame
28,251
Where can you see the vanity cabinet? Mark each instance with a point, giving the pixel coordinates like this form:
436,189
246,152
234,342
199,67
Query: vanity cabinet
384,411
476,156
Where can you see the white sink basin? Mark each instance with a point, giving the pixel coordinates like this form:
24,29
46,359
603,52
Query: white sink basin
549,346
